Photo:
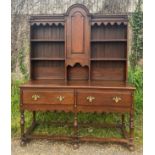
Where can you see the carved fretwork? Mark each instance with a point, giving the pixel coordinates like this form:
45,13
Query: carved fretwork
73,63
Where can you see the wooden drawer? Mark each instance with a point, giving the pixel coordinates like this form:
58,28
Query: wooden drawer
99,97
48,97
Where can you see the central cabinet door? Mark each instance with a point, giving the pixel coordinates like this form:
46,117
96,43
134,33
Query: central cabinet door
77,36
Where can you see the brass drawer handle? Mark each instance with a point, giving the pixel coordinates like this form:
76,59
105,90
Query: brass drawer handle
117,99
90,98
60,98
35,97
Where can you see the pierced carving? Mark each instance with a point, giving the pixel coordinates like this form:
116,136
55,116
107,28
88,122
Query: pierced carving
81,62
72,64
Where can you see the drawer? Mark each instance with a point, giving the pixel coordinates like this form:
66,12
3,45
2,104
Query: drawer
109,98
48,97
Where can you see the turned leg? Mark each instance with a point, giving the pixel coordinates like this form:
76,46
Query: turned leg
131,133
123,128
22,122
34,117
123,121
75,131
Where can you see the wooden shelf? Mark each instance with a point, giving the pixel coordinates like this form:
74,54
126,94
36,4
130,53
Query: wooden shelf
47,40
109,40
49,78
108,59
48,59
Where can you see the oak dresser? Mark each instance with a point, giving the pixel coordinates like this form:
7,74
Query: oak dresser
79,63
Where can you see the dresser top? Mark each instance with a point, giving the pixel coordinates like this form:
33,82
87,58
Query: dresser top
77,84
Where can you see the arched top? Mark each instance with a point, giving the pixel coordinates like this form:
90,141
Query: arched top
78,14
77,6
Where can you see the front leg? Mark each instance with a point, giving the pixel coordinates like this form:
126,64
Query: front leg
34,117
123,121
75,131
22,122
131,134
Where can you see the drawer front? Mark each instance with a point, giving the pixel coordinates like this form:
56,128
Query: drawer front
113,98
48,97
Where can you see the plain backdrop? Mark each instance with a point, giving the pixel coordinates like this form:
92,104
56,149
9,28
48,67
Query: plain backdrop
149,77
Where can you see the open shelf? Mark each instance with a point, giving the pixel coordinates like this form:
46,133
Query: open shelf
106,33
113,71
109,40
47,40
47,33
46,50
108,59
48,69
73,72
108,50
48,59
108,46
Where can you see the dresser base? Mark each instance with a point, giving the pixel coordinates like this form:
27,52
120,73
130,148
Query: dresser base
27,135
76,97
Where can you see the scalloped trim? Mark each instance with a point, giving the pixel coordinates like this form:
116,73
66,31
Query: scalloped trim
47,23
74,63
106,23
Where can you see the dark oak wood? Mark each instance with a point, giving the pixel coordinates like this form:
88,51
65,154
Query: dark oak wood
78,63
78,33
48,97
104,98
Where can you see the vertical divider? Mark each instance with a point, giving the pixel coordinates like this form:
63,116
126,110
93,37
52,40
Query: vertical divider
30,54
90,30
127,48
89,71
65,47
